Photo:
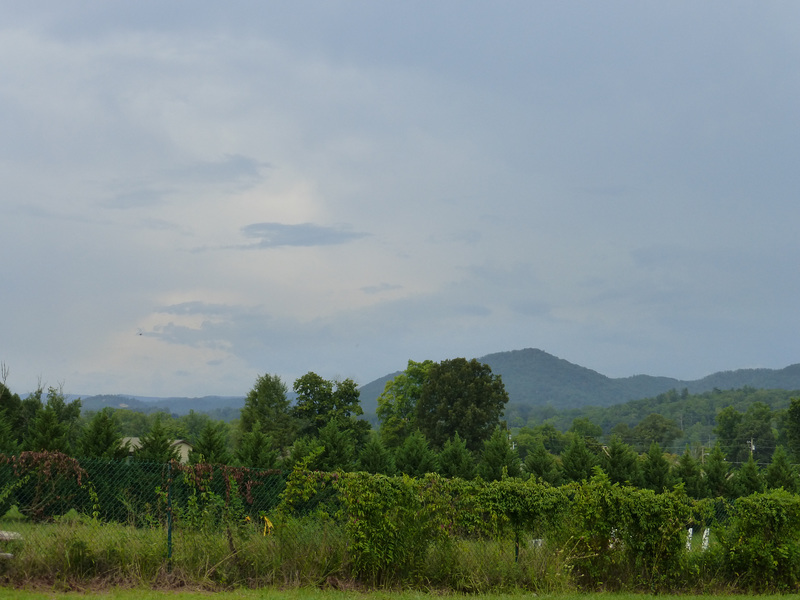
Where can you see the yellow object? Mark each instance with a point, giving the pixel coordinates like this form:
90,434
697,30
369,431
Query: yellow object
267,523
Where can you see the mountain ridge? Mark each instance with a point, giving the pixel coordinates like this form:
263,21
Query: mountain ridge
531,376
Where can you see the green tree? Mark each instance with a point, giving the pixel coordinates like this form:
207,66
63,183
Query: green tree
303,447
340,451
748,479
255,449
541,464
728,421
455,460
11,409
157,445
67,413
781,473
375,457
498,456
655,470
397,405
415,457
621,462
8,441
689,473
101,437
320,401
717,469
268,404
577,461
460,396
585,428
47,434
655,428
211,446
792,428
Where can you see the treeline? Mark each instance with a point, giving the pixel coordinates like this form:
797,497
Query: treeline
445,418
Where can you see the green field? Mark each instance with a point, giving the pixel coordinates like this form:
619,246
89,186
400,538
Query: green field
314,594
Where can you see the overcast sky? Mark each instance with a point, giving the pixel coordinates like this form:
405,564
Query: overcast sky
196,193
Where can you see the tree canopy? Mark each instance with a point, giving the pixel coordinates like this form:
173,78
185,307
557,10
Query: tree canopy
460,396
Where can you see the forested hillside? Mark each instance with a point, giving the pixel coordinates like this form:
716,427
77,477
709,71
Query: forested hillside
535,378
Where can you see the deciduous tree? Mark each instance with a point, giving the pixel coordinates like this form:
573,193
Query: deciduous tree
460,396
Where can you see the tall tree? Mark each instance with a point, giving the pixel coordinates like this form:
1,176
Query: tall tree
748,479
47,434
689,473
211,445
415,456
655,470
621,462
792,428
268,404
255,450
320,401
455,460
717,469
577,461
541,464
11,409
375,457
460,396
655,428
157,445
8,441
781,473
340,449
101,437
397,405
498,457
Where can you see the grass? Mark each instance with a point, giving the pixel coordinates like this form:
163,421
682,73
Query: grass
316,594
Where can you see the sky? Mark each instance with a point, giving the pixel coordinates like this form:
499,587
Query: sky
194,193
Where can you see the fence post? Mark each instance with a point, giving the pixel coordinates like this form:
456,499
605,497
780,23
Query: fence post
169,515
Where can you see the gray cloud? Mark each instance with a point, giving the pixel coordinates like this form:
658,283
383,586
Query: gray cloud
274,235
380,288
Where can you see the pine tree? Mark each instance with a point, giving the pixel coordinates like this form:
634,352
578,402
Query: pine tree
655,470
622,464
267,403
46,433
748,479
689,473
577,461
212,445
376,458
455,460
157,445
8,441
415,456
716,469
101,437
781,473
498,457
340,450
541,464
255,450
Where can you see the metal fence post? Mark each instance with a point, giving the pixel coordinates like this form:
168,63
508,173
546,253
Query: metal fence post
169,515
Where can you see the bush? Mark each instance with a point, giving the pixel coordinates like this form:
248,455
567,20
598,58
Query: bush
761,544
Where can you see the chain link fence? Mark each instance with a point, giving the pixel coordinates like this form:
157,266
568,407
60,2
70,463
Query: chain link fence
136,521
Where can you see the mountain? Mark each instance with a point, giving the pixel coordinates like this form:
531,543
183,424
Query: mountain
533,377
220,407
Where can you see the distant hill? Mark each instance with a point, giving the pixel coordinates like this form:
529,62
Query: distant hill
533,377
219,407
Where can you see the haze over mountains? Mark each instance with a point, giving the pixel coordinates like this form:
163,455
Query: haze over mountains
531,376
